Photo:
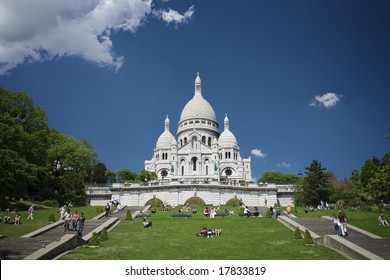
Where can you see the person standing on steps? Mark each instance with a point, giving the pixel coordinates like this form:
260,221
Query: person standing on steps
75,218
343,222
81,222
107,209
67,219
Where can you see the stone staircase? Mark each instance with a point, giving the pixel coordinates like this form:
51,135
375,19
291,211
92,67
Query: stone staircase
18,248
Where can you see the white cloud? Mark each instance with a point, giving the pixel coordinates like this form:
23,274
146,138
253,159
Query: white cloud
284,165
172,16
39,30
258,153
328,100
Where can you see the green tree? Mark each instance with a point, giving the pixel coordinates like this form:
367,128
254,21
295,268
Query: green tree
111,176
316,185
126,175
378,186
69,161
23,144
98,174
279,178
146,176
368,171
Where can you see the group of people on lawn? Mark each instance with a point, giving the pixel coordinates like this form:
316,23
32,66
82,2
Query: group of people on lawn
204,232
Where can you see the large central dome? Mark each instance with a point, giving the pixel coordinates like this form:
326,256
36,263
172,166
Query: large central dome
198,107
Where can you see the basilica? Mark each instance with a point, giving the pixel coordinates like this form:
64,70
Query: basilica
199,152
199,162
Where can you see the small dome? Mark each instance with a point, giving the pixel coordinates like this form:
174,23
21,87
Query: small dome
227,138
166,138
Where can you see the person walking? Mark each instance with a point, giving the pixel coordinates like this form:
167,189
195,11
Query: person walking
67,219
81,223
107,209
75,218
31,211
343,222
289,211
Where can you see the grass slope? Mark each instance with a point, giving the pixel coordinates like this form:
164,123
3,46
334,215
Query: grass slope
174,239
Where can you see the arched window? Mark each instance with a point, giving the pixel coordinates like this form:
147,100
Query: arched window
185,140
194,161
182,164
204,139
181,142
209,141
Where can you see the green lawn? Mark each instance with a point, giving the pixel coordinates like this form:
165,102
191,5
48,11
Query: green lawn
361,219
174,239
41,219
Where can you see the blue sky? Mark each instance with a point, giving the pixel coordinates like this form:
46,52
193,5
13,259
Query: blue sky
299,80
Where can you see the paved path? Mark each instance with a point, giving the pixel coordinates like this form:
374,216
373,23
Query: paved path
17,248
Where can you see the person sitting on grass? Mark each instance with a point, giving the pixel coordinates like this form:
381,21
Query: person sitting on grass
206,212
147,224
218,232
203,232
210,233
17,219
256,212
382,221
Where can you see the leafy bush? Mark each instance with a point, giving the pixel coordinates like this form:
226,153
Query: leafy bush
234,202
307,239
195,201
268,214
128,215
103,235
94,241
154,202
297,233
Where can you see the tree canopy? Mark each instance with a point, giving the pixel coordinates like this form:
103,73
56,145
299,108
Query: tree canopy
37,161
316,185
279,178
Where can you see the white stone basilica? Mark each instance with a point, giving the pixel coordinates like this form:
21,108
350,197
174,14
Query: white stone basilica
199,162
199,151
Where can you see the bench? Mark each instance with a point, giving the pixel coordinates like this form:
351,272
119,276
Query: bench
220,214
186,215
142,215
